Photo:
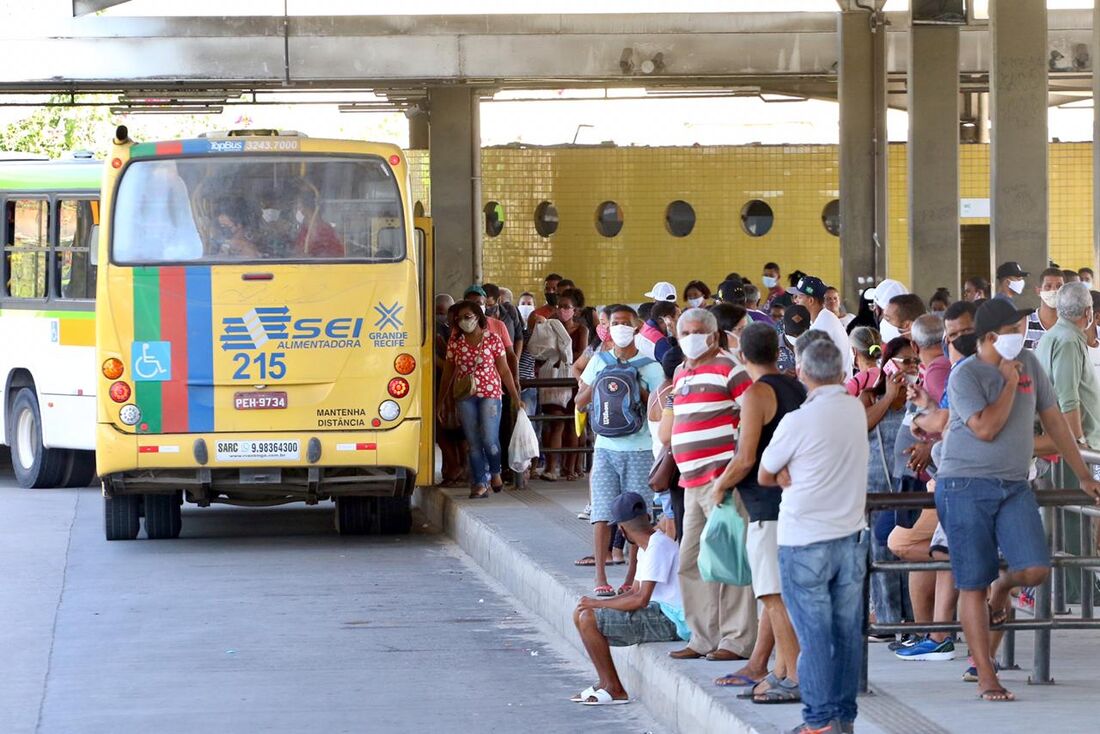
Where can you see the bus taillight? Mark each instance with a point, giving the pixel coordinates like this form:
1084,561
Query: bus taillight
398,387
120,392
404,364
112,368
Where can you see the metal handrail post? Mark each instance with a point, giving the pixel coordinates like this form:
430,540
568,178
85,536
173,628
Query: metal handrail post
1088,577
1040,669
1056,523
864,684
1008,645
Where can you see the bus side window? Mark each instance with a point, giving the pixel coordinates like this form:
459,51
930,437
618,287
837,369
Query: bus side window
26,247
75,274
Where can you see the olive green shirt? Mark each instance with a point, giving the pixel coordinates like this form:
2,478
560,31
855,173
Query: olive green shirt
1064,354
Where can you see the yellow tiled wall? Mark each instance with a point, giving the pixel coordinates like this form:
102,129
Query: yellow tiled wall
796,181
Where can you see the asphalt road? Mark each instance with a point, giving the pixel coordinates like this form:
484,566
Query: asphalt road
264,620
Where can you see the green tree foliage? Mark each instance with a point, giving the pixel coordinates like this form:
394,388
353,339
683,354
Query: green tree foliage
55,130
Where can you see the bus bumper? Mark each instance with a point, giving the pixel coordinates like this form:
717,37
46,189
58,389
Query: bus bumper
299,465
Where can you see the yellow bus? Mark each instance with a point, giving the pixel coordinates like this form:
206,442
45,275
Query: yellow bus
262,330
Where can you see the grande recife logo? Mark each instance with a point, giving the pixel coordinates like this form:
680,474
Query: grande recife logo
276,325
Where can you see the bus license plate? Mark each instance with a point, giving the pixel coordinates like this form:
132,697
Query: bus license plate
259,400
246,450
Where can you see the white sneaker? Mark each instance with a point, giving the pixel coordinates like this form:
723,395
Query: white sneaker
587,514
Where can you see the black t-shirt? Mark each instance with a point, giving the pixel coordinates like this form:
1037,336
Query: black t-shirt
762,502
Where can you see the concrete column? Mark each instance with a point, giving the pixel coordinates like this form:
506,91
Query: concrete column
419,136
1018,159
455,160
934,250
857,153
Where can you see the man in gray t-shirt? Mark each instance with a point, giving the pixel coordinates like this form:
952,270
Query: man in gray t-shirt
983,498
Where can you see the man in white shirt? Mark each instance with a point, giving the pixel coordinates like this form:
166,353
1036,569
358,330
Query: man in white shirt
810,292
818,455
652,611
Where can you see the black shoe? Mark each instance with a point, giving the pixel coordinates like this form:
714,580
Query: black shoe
904,642
881,638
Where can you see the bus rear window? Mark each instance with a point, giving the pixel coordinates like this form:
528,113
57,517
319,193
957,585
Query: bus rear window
238,209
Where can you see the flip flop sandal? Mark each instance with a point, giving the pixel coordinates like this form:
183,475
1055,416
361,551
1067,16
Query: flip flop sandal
604,591
997,617
770,679
476,495
603,698
625,588
1003,695
779,694
735,680
586,561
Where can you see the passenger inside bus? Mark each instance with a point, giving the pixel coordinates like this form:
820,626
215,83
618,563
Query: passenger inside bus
235,226
316,238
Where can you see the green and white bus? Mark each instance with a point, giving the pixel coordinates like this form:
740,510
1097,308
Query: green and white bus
47,318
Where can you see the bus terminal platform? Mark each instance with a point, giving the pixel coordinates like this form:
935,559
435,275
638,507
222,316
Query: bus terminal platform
528,539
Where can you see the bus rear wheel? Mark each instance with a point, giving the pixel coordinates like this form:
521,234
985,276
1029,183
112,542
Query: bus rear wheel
354,515
163,516
79,469
122,517
394,515
35,465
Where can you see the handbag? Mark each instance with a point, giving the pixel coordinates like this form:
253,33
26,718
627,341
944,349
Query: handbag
723,557
665,474
464,386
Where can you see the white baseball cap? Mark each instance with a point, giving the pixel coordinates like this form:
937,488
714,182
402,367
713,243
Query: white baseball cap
884,291
662,291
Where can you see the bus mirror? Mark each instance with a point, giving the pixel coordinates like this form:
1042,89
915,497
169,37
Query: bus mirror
93,244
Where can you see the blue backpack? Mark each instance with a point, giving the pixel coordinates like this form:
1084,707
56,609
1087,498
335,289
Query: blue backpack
617,408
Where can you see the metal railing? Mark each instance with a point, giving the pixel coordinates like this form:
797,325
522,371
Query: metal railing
540,417
1051,502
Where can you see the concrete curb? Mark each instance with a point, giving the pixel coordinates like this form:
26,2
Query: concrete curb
678,702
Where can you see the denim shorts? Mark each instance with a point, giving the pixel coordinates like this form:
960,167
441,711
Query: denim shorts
981,516
648,624
617,472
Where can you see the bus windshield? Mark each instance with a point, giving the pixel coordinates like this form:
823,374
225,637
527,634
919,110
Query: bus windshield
231,209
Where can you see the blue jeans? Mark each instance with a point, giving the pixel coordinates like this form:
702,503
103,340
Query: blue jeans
823,591
530,397
480,418
982,515
890,590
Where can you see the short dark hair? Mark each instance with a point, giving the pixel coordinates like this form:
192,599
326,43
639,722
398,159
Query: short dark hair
699,286
728,316
979,283
760,343
1095,300
1052,273
576,295
1070,276
959,309
492,290
621,308
662,309
942,295
552,276
566,283
771,266
733,276
1082,271
910,306
644,310
473,306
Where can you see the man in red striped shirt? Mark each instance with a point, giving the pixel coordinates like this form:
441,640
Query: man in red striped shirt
702,430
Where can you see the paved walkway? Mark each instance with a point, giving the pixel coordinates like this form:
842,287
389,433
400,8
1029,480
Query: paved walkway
529,539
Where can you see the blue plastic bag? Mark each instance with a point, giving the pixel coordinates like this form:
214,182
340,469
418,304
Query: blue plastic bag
722,555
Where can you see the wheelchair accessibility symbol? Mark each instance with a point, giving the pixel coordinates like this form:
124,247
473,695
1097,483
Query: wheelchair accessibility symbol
152,361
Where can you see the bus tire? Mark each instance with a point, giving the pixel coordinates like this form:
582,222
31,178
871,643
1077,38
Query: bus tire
354,515
121,520
163,516
79,469
35,465
394,515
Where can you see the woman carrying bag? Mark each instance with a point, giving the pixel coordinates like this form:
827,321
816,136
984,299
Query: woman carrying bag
473,376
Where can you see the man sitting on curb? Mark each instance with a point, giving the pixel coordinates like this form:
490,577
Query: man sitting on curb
652,611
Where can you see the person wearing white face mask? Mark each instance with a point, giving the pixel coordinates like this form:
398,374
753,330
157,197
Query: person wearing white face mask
1051,281
696,294
316,238
1010,281
983,497
701,430
898,318
770,279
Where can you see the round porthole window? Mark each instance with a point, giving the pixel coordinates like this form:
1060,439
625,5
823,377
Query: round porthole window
757,218
546,219
494,219
679,218
830,217
609,219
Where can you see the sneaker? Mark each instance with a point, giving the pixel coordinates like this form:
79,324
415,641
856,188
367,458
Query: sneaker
833,727
929,650
881,638
586,514
906,640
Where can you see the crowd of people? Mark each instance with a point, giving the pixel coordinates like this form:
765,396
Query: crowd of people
774,401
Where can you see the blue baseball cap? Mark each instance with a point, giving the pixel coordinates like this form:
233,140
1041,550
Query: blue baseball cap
628,506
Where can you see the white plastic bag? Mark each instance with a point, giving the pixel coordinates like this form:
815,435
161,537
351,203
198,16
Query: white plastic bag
525,444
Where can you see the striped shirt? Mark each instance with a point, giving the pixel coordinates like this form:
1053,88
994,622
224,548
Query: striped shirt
706,415
1035,331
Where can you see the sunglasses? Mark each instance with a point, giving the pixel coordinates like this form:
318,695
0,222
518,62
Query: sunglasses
906,361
